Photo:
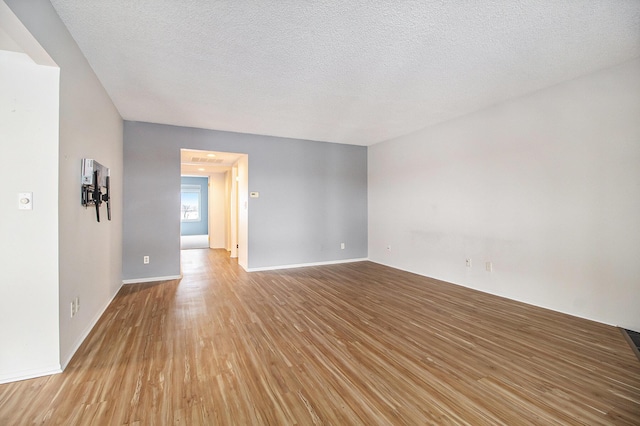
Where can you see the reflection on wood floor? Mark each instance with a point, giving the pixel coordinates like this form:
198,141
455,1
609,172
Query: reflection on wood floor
188,242
355,343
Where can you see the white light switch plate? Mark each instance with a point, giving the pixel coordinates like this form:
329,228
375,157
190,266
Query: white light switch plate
25,201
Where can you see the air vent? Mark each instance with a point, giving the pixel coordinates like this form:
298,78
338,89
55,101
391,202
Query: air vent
206,160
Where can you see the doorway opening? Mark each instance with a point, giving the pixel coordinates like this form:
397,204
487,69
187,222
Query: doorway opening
194,212
214,202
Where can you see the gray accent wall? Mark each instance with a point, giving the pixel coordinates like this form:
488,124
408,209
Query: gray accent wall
313,197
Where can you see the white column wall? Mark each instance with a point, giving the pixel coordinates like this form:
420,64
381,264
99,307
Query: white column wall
29,344
243,211
217,211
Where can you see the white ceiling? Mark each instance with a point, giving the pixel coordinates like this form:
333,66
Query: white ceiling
357,71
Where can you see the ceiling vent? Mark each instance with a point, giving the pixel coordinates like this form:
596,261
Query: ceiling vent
206,160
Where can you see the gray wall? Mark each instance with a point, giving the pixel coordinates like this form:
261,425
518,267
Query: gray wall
313,196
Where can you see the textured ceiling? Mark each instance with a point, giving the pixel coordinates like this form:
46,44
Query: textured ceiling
357,72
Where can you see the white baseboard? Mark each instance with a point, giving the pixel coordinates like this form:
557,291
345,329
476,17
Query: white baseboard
303,265
30,374
151,279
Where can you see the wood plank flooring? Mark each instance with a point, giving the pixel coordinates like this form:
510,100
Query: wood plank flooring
350,344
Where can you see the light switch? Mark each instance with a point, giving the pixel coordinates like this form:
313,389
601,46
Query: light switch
254,194
25,201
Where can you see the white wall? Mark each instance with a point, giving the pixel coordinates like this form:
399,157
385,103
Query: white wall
217,211
547,187
90,253
233,209
29,242
227,202
243,211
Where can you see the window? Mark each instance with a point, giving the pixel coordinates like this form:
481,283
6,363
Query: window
190,203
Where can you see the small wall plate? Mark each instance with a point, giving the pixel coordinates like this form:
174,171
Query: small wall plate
25,201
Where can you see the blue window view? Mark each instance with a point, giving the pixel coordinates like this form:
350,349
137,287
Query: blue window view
190,203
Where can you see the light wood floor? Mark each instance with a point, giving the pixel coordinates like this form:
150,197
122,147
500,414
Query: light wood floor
345,344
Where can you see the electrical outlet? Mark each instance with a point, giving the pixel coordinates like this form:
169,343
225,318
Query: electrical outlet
75,306
145,260
468,263
489,266
341,246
